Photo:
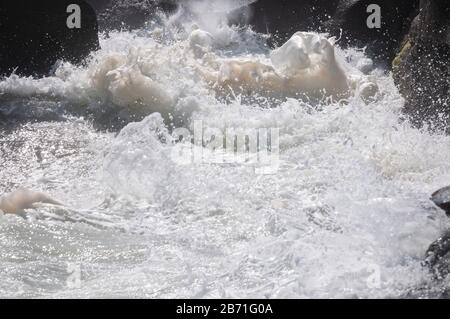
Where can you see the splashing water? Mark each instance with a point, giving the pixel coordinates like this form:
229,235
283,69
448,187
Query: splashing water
346,214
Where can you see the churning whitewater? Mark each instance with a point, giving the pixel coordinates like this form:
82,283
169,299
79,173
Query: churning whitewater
346,212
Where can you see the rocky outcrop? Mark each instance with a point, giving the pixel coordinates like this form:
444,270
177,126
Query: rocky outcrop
435,255
35,34
413,39
381,43
284,17
422,66
442,199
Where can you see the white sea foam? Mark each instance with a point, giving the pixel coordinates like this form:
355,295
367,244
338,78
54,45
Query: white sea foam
139,74
347,214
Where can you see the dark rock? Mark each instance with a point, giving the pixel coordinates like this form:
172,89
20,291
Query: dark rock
285,17
436,257
99,5
34,35
381,43
442,199
422,67
282,18
416,45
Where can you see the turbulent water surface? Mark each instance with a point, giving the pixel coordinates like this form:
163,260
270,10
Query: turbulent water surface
345,214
